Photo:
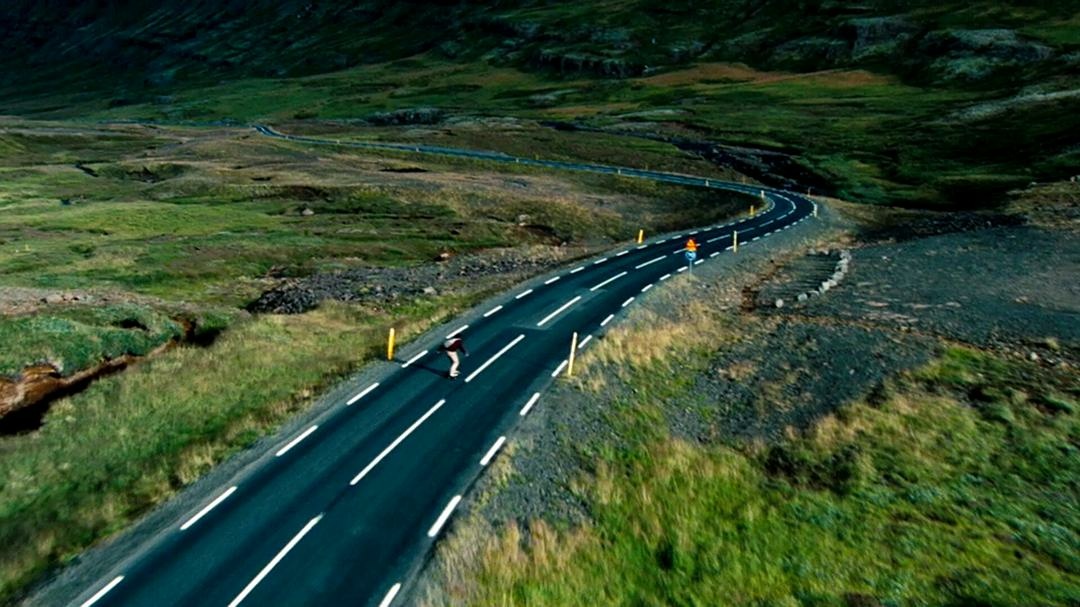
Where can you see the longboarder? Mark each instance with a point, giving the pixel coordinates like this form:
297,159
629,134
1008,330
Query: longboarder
452,346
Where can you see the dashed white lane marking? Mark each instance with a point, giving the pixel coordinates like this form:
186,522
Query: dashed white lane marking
609,281
560,368
682,269
692,233
676,236
600,261
529,405
294,442
561,309
498,355
651,261
277,559
665,277
365,392
647,287
551,280
628,302
492,451
712,240
397,441
414,359
523,294
604,322
714,254
661,241
447,511
492,311
621,253
754,238
677,251
577,269
584,341
389,598
214,504
100,593
699,262
644,246
457,331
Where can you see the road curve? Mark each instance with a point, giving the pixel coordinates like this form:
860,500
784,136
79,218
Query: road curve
344,511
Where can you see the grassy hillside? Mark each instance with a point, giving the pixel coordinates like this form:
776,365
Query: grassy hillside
914,103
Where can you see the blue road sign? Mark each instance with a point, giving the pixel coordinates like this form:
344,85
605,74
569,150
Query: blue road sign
691,256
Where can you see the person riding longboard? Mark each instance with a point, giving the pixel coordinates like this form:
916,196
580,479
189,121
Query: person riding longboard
452,346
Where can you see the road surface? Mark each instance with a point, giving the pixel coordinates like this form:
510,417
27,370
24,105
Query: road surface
344,511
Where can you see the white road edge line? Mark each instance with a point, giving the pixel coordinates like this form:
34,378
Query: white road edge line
604,322
551,280
559,311
609,281
414,359
389,598
628,302
647,287
560,368
621,253
457,331
699,262
644,246
529,405
498,354
492,451
397,441
577,269
600,261
221,498
100,593
523,294
682,269
714,254
362,394
584,341
296,441
652,261
665,277
492,311
277,559
447,511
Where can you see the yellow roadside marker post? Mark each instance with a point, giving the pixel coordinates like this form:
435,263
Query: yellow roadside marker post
751,210
735,241
640,236
390,345
573,353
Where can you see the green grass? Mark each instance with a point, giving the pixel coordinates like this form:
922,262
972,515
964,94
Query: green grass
955,486
78,338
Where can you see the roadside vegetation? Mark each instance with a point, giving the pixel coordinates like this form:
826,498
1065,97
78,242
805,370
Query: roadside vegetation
953,484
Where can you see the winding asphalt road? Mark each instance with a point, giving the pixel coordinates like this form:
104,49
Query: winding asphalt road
344,511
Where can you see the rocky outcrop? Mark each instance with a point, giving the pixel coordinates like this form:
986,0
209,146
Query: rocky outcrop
605,67
878,37
971,55
419,115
